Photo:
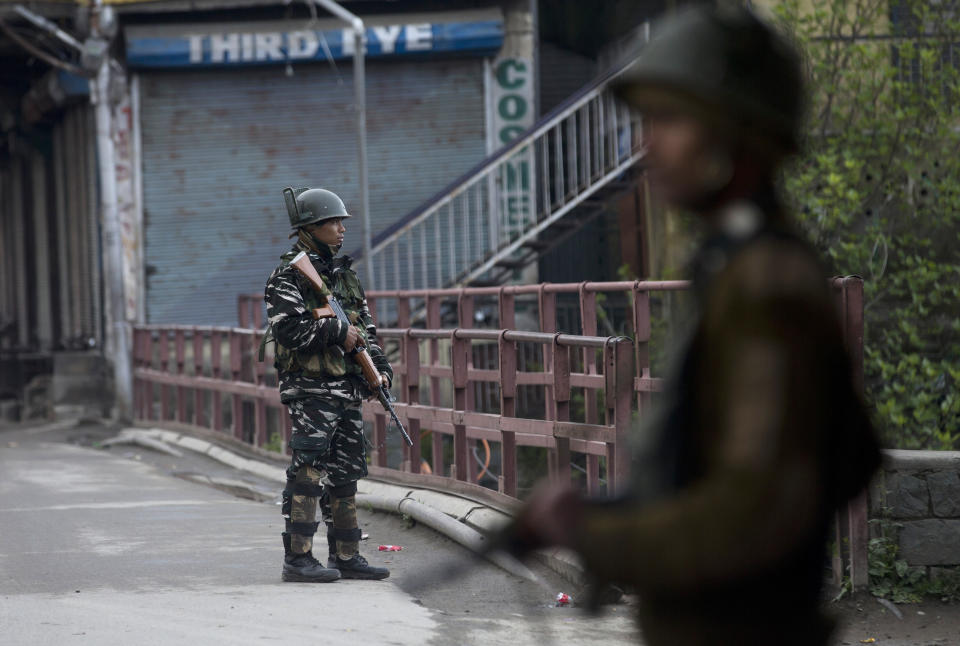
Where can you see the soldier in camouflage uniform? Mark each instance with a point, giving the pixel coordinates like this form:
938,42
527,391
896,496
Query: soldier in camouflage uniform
724,532
323,388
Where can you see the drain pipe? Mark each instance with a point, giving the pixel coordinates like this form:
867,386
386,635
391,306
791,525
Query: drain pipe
360,98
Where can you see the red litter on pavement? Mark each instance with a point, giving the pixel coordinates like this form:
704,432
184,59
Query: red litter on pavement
389,548
563,599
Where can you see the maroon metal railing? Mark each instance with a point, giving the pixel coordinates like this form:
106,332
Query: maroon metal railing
465,299
558,432
638,321
202,375
598,442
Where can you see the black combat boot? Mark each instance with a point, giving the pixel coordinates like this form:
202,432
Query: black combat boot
343,536
303,567
331,546
357,567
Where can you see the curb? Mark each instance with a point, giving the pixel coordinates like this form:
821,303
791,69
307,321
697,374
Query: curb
465,521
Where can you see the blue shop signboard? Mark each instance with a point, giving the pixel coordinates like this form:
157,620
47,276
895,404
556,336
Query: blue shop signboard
284,42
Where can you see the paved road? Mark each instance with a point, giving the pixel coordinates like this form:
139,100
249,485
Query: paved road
98,548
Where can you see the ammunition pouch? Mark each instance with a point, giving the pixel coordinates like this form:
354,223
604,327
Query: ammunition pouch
329,362
310,443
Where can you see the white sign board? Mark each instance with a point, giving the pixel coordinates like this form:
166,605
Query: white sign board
512,90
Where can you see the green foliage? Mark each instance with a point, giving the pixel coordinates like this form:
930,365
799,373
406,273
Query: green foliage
668,316
946,586
275,443
663,337
531,467
846,588
878,191
892,578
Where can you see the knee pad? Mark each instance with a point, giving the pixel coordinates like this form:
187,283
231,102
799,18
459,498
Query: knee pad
300,486
296,487
344,490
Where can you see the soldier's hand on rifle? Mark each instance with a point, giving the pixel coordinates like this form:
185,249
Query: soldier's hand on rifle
353,339
384,382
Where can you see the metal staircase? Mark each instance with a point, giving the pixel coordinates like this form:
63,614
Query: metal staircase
519,202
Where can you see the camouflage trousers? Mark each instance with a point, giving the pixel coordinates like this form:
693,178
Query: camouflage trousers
328,458
328,436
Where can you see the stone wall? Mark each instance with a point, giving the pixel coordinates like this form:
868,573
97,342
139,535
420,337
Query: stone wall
920,492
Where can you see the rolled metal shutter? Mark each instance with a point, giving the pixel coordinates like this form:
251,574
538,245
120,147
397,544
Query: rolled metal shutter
78,230
218,147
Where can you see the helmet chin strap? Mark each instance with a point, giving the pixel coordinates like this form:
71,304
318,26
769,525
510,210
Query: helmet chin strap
307,240
310,242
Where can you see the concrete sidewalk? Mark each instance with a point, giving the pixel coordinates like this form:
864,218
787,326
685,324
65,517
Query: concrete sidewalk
113,552
464,520
98,547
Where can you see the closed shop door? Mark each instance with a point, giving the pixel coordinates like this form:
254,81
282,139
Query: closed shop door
218,147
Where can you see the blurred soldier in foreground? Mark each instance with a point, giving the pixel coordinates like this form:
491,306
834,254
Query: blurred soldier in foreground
323,388
764,435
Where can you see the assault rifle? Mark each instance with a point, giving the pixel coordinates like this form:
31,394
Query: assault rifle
333,309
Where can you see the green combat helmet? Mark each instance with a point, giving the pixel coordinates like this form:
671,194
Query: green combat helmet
309,205
726,66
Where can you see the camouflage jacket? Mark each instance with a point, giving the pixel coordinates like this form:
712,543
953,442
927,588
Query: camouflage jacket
765,437
309,354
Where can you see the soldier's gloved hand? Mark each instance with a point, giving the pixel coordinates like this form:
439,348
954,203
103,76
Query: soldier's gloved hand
353,339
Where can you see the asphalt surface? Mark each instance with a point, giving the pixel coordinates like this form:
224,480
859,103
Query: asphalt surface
126,545
120,545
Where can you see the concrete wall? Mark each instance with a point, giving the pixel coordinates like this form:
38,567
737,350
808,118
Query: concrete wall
920,491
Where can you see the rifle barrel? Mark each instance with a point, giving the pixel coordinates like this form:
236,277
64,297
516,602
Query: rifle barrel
384,397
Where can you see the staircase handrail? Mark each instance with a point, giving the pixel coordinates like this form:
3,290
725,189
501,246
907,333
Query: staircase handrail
542,125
